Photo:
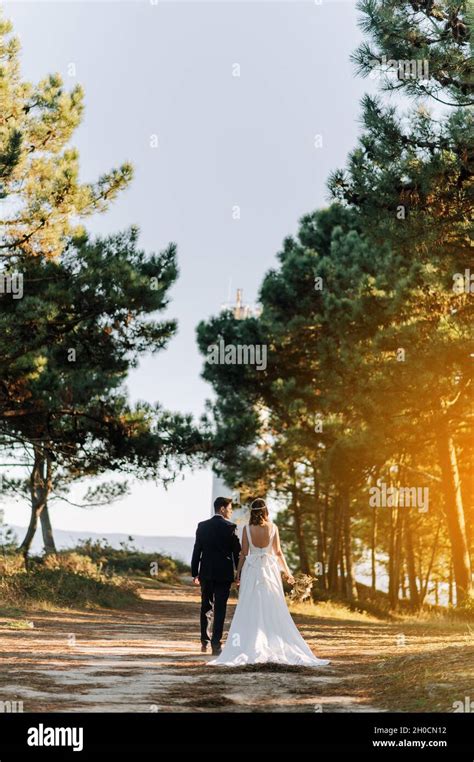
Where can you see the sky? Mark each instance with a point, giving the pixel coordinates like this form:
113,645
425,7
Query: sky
168,69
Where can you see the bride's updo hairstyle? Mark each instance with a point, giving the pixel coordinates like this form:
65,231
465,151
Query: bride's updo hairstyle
258,512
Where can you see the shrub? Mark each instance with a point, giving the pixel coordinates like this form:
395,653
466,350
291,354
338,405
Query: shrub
130,560
64,579
12,563
72,562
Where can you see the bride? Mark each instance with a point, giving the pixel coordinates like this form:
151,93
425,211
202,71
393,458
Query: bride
262,630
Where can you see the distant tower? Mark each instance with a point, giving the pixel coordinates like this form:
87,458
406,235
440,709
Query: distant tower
219,487
241,310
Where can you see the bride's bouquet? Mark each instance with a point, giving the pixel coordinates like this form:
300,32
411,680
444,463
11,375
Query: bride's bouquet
301,590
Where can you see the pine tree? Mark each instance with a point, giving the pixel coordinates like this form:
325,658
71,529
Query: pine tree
411,181
420,47
90,311
42,196
86,311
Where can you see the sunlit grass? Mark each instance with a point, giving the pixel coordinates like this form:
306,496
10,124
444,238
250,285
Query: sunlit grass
437,621
330,610
15,624
425,681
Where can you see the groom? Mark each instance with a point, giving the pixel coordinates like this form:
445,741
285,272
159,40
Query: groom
215,556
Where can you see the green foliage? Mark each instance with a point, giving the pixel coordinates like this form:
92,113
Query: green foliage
416,31
67,579
39,172
129,559
366,333
87,312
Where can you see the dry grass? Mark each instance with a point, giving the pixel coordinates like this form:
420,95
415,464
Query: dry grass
331,610
421,662
426,681
15,624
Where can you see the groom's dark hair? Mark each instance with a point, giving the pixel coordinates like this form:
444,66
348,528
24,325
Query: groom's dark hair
221,502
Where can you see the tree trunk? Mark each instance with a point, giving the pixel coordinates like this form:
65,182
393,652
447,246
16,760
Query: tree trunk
450,585
25,546
326,532
40,486
404,579
430,565
297,515
373,545
395,565
320,549
454,510
334,553
351,589
48,539
396,527
411,568
341,579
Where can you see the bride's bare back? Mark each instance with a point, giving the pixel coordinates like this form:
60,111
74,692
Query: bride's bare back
260,537
261,534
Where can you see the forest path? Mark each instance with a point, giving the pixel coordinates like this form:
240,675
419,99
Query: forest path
148,659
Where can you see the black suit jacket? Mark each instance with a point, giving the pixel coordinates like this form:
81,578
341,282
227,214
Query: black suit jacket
216,550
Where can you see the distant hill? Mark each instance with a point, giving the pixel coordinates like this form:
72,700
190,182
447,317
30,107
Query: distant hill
180,548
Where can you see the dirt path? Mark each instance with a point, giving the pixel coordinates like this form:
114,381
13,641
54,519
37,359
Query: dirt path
148,659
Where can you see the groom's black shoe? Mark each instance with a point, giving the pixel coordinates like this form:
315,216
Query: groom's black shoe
216,650
203,648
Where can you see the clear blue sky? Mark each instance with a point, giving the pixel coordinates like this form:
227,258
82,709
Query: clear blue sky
166,69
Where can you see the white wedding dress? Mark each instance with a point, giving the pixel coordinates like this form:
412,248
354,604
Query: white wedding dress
262,630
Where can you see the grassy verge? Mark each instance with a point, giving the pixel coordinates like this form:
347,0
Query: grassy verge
62,587
440,680
331,610
92,575
411,663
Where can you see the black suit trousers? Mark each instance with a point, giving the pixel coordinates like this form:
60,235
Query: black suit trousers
214,596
